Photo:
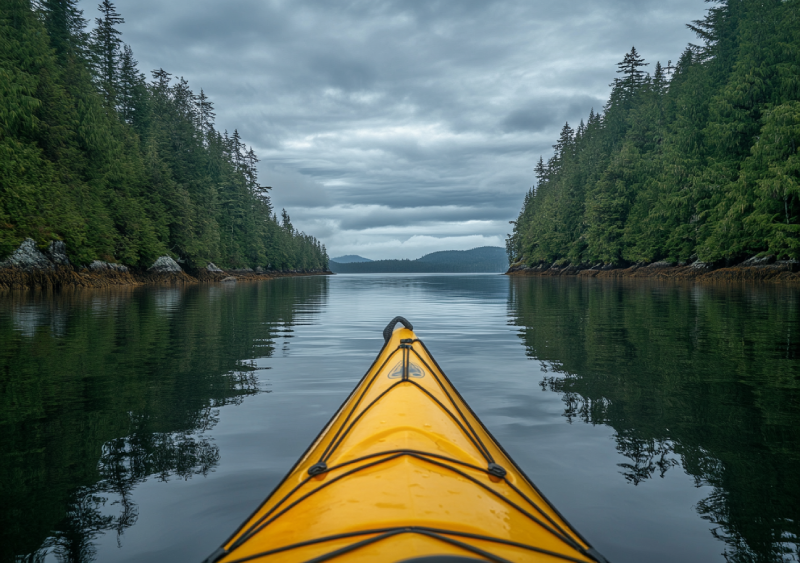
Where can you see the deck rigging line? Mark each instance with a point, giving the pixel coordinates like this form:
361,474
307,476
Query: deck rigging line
492,469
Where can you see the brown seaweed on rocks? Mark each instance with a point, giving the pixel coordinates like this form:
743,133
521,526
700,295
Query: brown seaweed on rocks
29,268
755,269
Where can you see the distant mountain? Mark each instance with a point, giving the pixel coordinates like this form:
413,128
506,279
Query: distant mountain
484,259
350,259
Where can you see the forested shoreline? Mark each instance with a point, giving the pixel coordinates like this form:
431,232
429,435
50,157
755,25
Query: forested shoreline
123,168
696,162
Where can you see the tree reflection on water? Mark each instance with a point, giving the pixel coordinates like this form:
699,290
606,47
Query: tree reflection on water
705,379
124,463
122,390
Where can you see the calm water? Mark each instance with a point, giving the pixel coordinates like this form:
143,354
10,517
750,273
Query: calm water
146,424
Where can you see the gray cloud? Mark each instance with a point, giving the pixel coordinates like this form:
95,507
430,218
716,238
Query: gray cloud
394,128
545,114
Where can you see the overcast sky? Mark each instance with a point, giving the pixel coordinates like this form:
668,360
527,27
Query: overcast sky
391,129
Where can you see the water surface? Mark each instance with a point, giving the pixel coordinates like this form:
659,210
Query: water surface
145,424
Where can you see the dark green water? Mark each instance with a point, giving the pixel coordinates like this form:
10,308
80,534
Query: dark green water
662,420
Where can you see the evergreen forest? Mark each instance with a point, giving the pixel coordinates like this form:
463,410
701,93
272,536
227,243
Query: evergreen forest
696,160
120,166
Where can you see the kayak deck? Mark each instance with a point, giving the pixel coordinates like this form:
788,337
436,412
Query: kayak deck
405,470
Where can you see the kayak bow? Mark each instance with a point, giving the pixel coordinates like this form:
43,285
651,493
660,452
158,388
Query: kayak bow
405,471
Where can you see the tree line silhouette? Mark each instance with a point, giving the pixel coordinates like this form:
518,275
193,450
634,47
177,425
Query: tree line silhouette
697,161
121,167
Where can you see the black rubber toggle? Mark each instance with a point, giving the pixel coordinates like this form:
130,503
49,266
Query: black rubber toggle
318,469
497,470
387,332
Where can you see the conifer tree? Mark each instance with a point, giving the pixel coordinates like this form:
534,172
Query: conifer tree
205,114
286,222
632,75
65,26
106,44
132,95
562,149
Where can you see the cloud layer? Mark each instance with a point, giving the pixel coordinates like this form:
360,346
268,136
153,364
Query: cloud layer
395,128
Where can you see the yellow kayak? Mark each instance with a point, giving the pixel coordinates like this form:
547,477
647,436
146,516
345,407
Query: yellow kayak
405,471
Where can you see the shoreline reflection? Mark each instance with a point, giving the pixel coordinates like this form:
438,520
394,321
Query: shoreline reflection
104,390
705,379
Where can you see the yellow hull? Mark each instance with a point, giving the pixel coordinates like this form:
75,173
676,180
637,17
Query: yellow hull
405,470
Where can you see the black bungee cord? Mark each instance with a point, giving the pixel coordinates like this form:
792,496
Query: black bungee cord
492,469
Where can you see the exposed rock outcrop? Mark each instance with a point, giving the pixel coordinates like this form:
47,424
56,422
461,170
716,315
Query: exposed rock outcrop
57,253
28,268
165,270
212,268
28,258
99,266
757,261
165,265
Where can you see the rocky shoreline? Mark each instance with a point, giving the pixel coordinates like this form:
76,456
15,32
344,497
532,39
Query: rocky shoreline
31,268
755,269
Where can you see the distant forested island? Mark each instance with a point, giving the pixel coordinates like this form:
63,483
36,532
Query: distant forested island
120,167
697,161
483,259
350,258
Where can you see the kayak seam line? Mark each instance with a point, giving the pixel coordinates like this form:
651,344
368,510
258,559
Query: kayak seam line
358,401
487,454
406,529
